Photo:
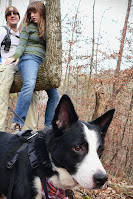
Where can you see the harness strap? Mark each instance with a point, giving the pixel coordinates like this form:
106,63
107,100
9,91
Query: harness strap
11,165
11,183
35,164
31,153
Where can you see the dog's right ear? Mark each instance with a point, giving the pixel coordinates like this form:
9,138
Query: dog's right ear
104,121
65,113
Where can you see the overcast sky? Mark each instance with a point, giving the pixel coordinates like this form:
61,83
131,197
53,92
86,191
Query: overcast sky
113,12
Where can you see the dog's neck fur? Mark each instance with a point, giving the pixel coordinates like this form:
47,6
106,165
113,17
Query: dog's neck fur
63,180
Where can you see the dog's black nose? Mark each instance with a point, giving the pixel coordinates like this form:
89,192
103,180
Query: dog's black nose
100,179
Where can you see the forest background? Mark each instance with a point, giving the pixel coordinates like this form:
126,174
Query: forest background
97,61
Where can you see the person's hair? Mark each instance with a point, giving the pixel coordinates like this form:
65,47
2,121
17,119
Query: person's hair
37,6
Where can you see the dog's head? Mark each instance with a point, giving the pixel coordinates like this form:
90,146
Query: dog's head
76,147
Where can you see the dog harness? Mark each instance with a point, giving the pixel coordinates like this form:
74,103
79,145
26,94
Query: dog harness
28,138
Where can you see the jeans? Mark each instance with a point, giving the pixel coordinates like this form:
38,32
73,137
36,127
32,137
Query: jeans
53,98
28,67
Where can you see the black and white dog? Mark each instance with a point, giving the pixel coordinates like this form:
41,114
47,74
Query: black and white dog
69,154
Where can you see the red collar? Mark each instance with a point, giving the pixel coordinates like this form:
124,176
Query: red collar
53,192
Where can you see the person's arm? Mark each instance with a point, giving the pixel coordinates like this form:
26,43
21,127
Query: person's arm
21,47
24,35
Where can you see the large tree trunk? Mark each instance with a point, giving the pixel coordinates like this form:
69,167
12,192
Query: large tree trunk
49,74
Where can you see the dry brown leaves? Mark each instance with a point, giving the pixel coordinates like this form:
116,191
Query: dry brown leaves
115,188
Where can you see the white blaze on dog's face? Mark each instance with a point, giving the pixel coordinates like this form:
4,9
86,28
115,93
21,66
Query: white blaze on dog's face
91,163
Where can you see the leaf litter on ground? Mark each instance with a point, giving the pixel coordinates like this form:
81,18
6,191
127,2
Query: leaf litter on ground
115,188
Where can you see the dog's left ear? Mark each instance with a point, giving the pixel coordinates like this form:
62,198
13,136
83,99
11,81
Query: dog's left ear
104,121
64,114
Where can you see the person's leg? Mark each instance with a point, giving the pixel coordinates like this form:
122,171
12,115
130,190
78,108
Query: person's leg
31,119
53,98
6,80
28,68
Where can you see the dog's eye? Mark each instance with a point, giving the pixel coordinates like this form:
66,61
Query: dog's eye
77,148
81,149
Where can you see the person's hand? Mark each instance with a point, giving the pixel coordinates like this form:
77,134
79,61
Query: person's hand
9,60
16,62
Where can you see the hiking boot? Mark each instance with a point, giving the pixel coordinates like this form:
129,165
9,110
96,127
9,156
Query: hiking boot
16,128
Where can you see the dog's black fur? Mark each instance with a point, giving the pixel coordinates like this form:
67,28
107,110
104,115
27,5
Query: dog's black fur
61,148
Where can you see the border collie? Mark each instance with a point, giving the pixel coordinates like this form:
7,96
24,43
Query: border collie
69,154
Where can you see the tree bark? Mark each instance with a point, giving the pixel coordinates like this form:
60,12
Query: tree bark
117,71
49,74
123,38
91,64
100,103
